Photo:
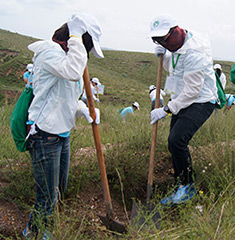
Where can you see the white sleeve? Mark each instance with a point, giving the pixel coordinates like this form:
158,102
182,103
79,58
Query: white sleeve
162,93
72,65
223,80
193,83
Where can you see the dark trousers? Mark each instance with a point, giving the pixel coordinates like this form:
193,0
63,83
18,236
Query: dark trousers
183,126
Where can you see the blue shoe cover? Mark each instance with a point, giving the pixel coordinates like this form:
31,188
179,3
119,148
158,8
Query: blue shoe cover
46,236
27,233
167,200
184,193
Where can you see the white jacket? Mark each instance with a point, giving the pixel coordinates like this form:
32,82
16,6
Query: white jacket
193,76
152,95
61,74
223,80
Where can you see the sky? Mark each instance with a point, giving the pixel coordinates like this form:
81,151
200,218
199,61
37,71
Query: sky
126,23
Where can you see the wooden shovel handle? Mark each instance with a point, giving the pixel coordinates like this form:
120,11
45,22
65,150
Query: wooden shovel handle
99,151
154,133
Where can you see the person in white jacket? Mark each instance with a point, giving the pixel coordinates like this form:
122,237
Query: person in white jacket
221,75
187,58
94,82
58,83
152,95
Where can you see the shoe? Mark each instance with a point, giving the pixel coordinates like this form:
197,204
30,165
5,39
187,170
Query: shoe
28,233
184,193
47,236
167,201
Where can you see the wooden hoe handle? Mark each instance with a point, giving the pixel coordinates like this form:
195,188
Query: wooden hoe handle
154,133
99,151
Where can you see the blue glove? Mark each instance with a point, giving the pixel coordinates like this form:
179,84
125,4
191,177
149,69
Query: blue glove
157,114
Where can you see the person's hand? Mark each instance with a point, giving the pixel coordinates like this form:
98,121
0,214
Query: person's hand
77,25
159,49
83,110
157,114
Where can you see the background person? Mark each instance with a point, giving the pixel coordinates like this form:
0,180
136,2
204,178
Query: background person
187,57
94,82
129,110
152,95
221,75
230,101
26,75
59,66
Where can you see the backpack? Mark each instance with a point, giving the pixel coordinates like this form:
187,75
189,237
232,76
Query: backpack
120,110
19,118
221,101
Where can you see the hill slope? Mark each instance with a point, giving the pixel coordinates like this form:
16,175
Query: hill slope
126,75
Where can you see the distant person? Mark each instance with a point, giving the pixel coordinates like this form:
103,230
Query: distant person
152,95
187,57
94,83
129,110
230,99
221,75
26,75
58,65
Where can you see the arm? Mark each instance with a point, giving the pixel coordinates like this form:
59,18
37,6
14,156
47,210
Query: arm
25,78
70,66
193,83
193,80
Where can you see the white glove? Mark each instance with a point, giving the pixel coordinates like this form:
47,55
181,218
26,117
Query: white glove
97,115
97,100
159,49
83,110
77,25
157,114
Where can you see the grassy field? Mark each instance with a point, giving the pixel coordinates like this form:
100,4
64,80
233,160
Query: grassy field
126,145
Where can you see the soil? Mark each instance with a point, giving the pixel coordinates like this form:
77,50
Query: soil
88,203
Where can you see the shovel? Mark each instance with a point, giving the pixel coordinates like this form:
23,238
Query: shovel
107,220
143,215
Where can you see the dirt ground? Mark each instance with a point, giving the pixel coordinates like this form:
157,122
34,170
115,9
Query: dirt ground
88,203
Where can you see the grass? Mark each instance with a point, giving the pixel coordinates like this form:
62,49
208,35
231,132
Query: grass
126,147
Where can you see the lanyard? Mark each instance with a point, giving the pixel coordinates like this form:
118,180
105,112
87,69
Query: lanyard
175,62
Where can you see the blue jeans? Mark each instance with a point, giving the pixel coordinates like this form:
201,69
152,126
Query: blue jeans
183,127
50,161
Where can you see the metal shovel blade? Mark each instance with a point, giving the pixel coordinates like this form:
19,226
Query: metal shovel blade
113,225
144,215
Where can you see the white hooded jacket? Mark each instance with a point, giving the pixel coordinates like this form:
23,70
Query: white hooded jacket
193,75
61,74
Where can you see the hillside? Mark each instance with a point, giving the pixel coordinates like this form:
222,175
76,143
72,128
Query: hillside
126,75
126,146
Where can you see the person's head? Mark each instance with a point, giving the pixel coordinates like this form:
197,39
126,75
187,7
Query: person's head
164,30
218,69
90,38
95,82
136,106
29,67
151,88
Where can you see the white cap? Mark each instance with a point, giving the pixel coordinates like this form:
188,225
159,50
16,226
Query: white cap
161,25
96,81
217,66
94,29
29,67
135,104
152,87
